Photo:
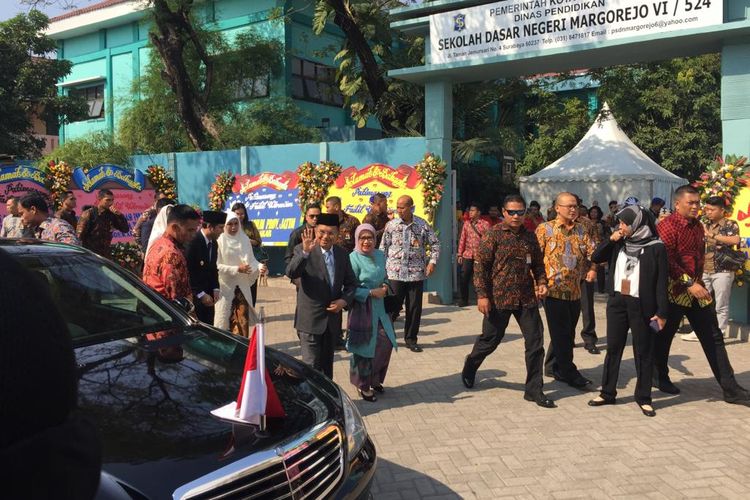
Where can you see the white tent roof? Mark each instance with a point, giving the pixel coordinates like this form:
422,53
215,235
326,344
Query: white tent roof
604,153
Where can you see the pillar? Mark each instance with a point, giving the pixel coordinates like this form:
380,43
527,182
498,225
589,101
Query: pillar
735,128
438,135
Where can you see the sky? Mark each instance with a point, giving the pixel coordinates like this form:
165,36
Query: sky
16,7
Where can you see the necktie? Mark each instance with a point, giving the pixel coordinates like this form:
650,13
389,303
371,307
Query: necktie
329,266
210,248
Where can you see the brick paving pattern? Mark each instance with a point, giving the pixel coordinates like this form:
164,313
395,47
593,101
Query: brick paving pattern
438,440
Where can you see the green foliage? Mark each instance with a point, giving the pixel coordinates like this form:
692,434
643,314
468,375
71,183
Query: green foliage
27,83
268,121
89,151
482,185
367,89
557,125
151,123
670,109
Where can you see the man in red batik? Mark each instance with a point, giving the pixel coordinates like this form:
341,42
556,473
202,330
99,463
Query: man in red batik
165,268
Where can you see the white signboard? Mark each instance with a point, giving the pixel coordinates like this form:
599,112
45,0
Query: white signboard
517,26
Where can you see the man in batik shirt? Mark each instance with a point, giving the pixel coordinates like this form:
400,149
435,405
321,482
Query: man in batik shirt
406,240
510,280
567,247
96,224
468,244
378,215
35,222
684,237
165,267
347,223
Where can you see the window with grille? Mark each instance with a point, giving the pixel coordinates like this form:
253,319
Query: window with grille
94,97
315,82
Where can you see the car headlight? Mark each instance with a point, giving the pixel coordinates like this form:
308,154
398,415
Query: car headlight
356,433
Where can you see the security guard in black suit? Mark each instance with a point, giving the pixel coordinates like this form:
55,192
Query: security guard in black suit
201,260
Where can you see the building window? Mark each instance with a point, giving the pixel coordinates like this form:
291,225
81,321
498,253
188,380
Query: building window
509,165
253,88
315,82
94,97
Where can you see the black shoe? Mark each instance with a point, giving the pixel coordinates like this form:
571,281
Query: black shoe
378,388
467,376
738,396
647,412
593,349
600,401
666,385
540,400
580,382
413,347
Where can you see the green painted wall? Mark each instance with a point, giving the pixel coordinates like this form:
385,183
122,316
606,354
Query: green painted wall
120,55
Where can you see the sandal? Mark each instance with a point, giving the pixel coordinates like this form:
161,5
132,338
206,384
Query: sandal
367,397
378,388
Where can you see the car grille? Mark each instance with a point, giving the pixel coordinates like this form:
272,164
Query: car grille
308,468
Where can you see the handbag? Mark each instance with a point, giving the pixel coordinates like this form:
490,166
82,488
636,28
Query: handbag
359,322
729,259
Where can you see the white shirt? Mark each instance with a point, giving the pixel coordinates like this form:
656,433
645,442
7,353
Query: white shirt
634,276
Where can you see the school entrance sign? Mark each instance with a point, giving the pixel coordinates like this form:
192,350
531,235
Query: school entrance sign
517,26
474,40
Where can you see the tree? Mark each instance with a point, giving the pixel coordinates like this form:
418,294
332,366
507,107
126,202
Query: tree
268,121
89,151
556,124
244,68
670,109
369,50
27,83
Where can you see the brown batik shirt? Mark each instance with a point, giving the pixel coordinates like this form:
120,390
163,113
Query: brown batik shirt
96,235
507,267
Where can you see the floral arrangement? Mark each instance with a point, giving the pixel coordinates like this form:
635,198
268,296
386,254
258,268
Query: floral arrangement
59,175
162,181
127,255
724,177
742,275
315,180
220,190
433,173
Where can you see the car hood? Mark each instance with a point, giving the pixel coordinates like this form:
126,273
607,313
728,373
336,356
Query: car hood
151,398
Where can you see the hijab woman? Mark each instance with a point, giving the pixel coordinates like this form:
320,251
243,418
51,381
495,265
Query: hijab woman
238,270
637,288
371,335
251,230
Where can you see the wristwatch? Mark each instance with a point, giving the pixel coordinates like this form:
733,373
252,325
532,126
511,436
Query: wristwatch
686,280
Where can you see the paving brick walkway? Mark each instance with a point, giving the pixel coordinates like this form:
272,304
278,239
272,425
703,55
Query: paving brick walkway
436,439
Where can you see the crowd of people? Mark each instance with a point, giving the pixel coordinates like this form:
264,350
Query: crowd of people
661,267
656,266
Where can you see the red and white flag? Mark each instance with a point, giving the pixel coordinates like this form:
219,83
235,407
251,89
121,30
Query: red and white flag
257,396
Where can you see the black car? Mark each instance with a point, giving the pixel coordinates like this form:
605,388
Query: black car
149,376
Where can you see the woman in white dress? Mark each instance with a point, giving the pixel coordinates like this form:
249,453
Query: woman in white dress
238,270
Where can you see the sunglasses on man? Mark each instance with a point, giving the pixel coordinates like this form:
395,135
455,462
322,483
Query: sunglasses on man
516,212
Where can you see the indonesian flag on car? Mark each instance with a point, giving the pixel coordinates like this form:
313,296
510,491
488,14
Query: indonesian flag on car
257,397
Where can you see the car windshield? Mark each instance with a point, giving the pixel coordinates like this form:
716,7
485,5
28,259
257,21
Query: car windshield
96,300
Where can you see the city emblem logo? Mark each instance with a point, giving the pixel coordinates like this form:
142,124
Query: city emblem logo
459,22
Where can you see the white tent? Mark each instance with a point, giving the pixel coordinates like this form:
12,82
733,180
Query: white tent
605,165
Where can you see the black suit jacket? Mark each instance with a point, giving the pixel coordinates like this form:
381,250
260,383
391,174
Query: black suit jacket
204,275
652,278
315,292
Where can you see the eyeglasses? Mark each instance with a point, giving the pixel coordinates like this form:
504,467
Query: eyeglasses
568,206
313,216
516,212
366,238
